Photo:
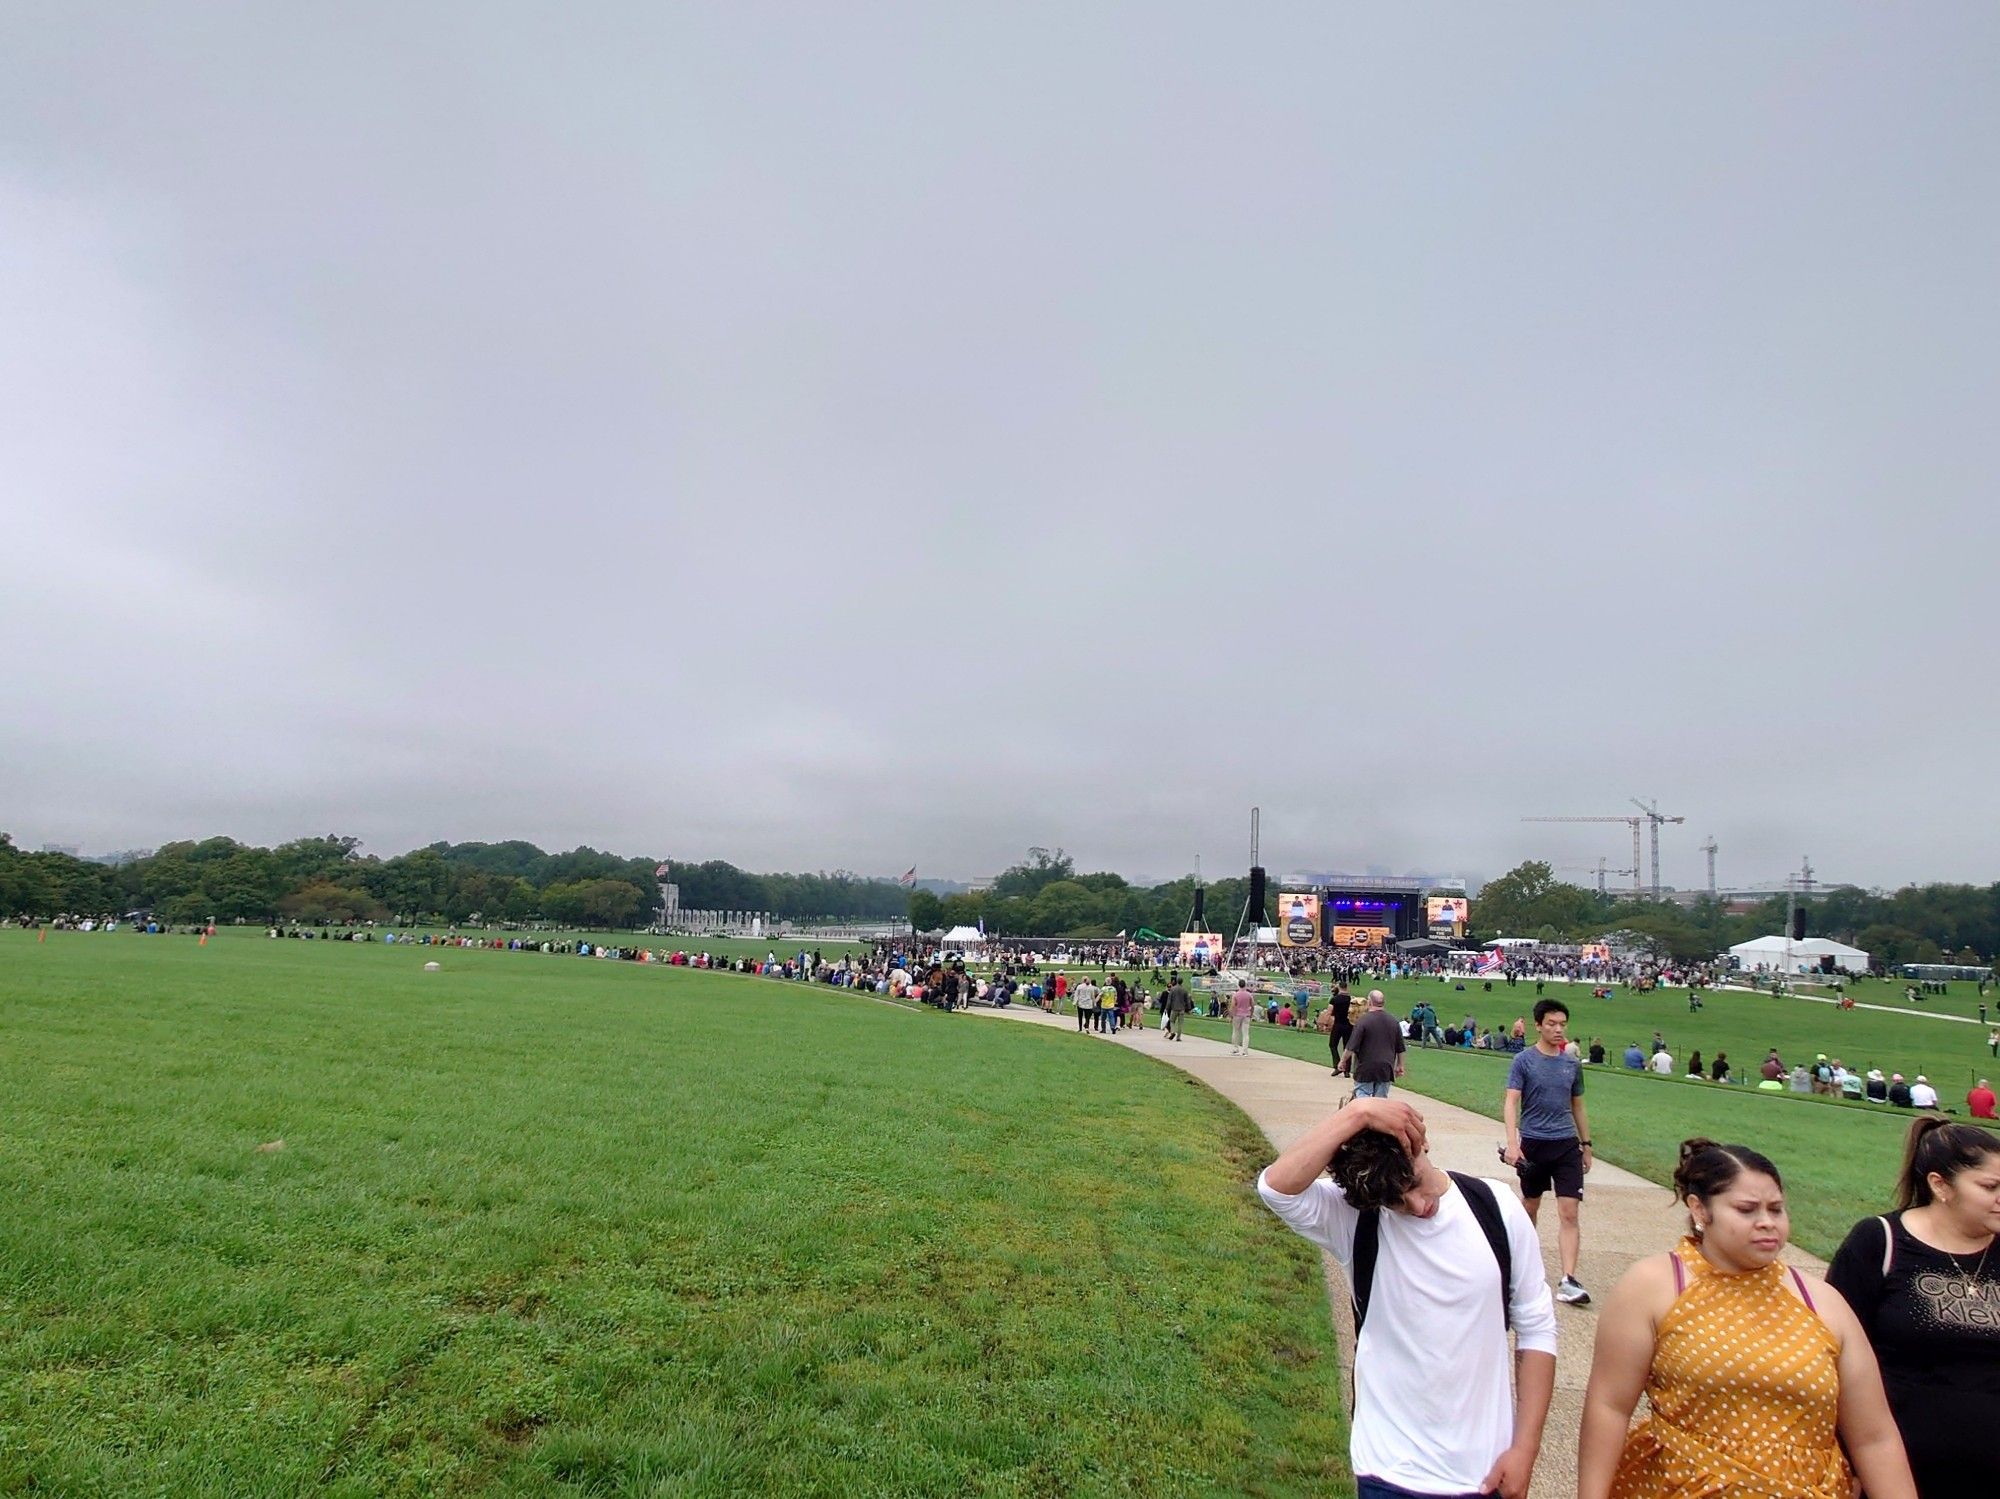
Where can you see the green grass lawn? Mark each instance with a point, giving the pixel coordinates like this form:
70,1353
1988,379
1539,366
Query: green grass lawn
552,1225
1840,1159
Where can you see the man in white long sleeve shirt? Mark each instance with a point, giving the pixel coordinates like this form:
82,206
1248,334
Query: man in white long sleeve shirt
1433,1411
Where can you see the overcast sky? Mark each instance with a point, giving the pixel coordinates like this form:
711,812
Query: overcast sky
862,436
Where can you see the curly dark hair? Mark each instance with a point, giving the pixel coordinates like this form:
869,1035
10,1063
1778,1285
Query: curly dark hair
1373,1170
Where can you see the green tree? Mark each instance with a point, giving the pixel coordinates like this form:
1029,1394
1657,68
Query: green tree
322,900
416,885
926,911
1529,896
563,904
1042,868
1064,907
609,903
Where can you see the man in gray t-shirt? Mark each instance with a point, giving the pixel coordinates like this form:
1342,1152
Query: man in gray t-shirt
1548,1135
1375,1050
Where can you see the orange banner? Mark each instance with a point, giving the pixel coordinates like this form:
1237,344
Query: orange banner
1371,937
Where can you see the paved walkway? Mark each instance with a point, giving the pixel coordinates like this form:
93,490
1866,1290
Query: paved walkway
1624,1216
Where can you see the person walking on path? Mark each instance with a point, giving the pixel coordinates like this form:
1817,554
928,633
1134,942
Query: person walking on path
1341,1036
1178,1004
1441,1266
1376,1055
1548,1136
1085,996
1755,1377
1926,1288
1242,1004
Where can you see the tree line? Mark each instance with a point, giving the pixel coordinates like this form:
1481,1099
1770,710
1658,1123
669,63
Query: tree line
329,879
1044,896
1917,924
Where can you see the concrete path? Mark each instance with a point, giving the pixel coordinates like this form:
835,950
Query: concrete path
1624,1216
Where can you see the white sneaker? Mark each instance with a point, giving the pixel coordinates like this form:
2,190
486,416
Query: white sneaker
1571,1293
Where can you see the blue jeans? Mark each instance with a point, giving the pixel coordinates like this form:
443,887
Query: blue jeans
1375,1488
1372,1090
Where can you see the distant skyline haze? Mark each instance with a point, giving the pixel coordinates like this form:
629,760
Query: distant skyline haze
878,435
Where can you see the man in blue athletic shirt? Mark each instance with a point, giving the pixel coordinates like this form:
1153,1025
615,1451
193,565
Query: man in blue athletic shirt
1548,1136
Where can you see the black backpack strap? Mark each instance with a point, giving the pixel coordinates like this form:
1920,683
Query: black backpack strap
1486,1209
1361,1278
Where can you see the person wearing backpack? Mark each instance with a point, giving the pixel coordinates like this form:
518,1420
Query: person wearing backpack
1440,1266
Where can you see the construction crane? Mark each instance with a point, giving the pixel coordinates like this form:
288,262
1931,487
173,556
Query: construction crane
1633,823
1709,849
1597,869
1653,816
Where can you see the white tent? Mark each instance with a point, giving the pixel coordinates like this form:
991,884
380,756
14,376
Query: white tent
965,936
1848,959
1776,955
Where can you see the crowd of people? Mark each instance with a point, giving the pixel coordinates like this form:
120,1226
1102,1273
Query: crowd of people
1758,1378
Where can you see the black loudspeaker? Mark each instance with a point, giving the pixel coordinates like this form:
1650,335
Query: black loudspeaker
1799,925
1257,893
1200,908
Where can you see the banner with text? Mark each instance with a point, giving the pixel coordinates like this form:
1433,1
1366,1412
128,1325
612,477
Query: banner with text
1298,920
1446,915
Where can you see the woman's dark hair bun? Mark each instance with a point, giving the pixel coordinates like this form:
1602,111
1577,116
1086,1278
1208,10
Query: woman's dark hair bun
1707,1167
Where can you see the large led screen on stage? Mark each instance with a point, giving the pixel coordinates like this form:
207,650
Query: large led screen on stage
1445,915
1298,919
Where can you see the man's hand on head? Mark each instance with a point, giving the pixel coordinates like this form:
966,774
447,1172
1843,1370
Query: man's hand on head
1394,1117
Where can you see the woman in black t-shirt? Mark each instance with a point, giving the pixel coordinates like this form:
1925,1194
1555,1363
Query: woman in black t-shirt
1926,1287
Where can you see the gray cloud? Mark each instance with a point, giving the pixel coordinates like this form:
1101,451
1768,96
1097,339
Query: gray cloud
885,435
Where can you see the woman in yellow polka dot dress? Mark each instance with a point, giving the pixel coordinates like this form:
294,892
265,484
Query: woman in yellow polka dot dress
1755,1376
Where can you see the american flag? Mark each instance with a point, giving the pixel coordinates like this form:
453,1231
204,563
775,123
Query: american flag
660,870
1487,962
909,876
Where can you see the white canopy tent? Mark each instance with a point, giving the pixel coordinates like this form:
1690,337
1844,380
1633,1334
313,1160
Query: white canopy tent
964,937
1776,955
